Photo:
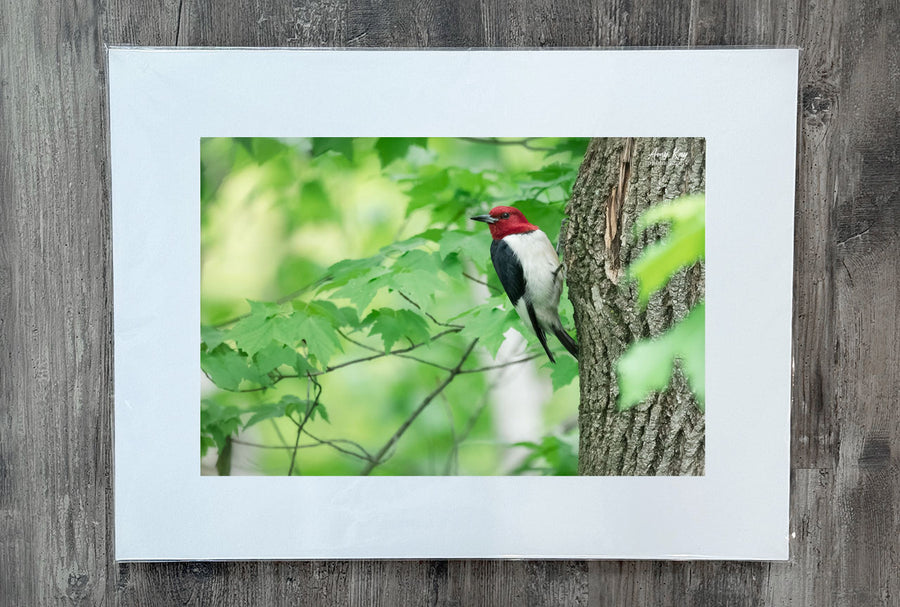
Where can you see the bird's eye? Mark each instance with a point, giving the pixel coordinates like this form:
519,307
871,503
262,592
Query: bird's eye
504,216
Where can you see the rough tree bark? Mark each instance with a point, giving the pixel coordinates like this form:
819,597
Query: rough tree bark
620,178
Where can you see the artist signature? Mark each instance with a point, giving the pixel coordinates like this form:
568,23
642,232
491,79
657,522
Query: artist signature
661,157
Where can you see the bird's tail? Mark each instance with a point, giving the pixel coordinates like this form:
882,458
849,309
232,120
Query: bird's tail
566,340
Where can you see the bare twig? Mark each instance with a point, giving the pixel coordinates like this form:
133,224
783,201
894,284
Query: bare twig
402,353
453,456
481,282
424,362
379,354
278,432
311,407
427,400
333,443
433,319
502,365
319,442
237,441
470,424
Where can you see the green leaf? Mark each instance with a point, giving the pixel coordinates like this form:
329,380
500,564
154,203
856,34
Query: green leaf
294,404
577,146
420,286
427,187
301,407
228,368
474,245
276,355
417,260
348,269
217,423
410,244
211,336
684,245
338,317
287,406
686,208
265,411
563,372
417,274
470,182
316,331
556,454
320,409
551,173
394,325
256,331
488,323
339,145
647,365
265,148
206,442
392,148
361,290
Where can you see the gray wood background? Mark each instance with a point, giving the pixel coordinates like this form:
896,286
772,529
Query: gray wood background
56,315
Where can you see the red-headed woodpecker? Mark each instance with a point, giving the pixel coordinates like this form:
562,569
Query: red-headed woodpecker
529,270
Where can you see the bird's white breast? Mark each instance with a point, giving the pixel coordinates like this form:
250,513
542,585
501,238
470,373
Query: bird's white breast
543,283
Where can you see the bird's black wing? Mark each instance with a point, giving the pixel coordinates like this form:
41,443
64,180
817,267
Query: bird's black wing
509,270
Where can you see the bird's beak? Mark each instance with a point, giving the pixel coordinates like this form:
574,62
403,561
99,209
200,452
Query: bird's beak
485,218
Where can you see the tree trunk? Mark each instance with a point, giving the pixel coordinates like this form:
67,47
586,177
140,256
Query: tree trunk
618,180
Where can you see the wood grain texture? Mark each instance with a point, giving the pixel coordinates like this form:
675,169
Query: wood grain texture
55,311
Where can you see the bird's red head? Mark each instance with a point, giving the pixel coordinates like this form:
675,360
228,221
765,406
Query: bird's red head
504,221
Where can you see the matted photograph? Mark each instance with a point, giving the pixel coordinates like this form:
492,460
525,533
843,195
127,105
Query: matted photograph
452,304
417,306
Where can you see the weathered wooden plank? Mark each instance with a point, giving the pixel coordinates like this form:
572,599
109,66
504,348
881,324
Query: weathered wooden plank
55,354
56,347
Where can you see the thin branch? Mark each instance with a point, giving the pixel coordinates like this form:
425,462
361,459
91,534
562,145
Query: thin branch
309,412
425,362
470,424
319,443
333,443
502,365
379,354
405,426
263,388
397,353
278,432
453,456
433,319
365,346
481,282
261,446
296,446
402,353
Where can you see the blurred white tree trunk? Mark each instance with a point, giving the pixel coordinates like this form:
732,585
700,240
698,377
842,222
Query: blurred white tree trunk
517,399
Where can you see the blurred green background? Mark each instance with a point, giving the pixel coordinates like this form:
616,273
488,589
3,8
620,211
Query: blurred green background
323,252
